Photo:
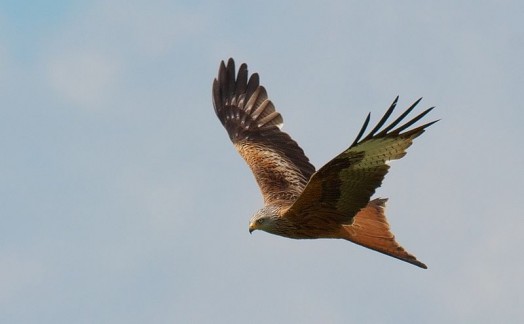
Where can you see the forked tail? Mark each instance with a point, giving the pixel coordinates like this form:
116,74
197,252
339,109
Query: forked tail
370,229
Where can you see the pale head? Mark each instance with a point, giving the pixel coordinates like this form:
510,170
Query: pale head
265,219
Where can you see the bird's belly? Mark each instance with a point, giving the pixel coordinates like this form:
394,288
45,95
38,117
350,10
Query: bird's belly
306,231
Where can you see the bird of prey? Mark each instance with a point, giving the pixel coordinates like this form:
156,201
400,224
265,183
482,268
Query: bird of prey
299,202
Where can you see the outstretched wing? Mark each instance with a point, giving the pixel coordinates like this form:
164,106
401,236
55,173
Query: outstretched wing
278,163
342,187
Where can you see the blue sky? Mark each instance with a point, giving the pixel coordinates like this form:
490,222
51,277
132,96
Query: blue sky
123,201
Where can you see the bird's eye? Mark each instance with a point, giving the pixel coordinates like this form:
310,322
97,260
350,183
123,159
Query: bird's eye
260,221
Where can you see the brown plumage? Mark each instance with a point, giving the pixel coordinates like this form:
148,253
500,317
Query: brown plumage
299,203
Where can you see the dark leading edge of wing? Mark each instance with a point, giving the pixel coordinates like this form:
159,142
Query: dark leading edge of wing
280,166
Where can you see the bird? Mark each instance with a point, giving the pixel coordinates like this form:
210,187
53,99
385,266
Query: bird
333,202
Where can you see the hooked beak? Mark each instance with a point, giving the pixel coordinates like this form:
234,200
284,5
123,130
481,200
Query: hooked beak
251,228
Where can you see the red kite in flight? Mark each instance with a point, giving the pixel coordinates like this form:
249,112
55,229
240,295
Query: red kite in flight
299,203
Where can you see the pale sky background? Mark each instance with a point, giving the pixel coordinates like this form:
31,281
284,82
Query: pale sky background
123,201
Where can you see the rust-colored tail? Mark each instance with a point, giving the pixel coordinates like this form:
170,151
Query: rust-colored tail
370,229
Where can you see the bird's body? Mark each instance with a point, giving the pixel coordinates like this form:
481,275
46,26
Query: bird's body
333,202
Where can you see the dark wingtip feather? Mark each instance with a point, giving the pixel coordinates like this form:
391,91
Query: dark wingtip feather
400,118
362,130
383,119
412,121
252,85
241,82
390,130
416,132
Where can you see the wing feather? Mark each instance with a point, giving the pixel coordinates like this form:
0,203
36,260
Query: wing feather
345,185
279,165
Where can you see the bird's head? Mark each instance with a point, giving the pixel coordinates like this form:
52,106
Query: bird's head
264,219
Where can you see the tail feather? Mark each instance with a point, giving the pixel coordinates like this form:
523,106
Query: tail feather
370,229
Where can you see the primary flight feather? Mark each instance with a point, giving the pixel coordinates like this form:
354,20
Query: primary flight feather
333,202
